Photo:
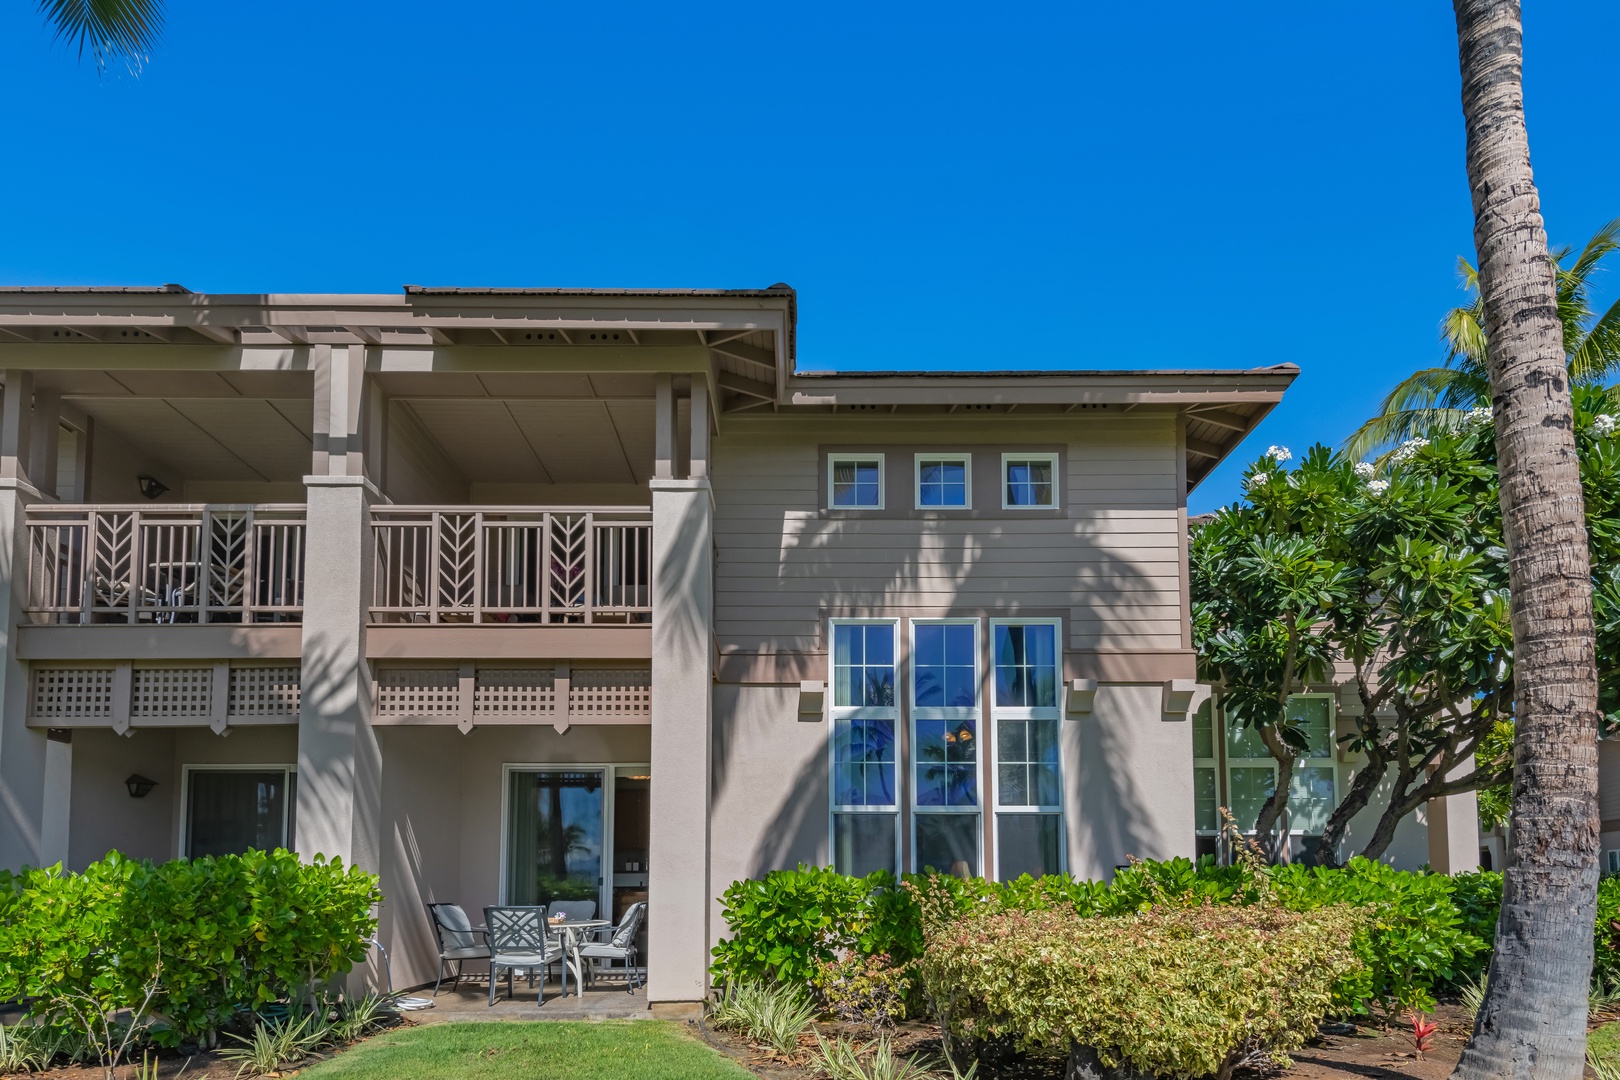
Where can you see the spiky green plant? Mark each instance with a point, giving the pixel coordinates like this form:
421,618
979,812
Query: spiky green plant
770,1013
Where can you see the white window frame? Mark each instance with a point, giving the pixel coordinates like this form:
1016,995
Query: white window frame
1212,763
973,713
1614,861
1330,762
965,460
882,468
1057,483
1010,712
288,810
836,712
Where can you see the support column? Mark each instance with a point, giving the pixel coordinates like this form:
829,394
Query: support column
682,704
1454,828
23,755
339,763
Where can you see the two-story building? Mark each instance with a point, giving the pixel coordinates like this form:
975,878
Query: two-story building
520,594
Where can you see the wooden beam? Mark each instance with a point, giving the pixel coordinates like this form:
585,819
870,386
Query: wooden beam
439,336
748,354
744,385
220,335
366,334
1204,449
1221,418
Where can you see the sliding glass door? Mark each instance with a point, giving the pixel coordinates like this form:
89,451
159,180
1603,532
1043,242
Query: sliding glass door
556,827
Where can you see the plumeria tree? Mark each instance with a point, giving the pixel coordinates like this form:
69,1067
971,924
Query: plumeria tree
1392,578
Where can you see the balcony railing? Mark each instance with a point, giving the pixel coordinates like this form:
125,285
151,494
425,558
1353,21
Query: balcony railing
165,564
511,565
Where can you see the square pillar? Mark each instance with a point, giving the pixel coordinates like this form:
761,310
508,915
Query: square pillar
23,754
1454,828
682,720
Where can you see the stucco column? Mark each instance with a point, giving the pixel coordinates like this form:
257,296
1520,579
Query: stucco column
339,765
339,762
682,715
23,772
1454,828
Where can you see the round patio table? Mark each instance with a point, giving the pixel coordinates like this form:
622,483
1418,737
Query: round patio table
573,932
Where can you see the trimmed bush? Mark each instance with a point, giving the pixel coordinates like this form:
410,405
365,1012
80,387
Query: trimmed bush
1177,990
214,936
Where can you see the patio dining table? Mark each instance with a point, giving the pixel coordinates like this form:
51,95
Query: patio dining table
573,932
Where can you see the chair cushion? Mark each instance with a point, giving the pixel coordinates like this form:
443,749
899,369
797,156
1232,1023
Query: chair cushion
524,957
474,952
604,951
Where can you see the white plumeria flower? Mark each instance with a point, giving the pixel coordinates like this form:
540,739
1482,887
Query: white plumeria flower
1278,454
1408,450
1604,424
1481,415
1256,480
1366,470
1377,487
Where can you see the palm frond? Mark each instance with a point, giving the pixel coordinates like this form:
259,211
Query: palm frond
1596,354
1380,435
109,28
1463,332
1604,241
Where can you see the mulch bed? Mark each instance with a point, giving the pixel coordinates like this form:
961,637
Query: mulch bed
1371,1053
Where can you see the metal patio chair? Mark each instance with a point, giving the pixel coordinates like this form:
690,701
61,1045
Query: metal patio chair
459,941
574,910
621,946
518,939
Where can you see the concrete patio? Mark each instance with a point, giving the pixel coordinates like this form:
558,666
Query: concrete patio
605,1000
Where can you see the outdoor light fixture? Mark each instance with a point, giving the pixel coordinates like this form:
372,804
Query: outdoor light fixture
151,486
139,785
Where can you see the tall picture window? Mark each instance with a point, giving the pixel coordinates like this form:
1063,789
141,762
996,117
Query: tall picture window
1028,772
946,825
865,752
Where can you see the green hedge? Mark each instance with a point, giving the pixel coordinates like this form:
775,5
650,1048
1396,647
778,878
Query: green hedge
1429,932
215,935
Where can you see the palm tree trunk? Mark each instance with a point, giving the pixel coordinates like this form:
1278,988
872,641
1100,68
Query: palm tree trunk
1532,1023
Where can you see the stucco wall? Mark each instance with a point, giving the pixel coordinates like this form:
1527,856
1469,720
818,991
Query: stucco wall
102,815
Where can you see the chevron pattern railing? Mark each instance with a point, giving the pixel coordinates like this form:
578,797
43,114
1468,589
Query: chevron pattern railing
165,564
502,564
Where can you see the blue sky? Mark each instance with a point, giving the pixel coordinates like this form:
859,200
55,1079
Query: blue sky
947,186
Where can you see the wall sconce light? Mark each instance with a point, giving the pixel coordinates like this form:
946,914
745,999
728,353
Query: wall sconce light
152,487
139,786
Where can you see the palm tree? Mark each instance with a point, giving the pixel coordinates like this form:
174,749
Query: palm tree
111,29
1440,397
1533,1020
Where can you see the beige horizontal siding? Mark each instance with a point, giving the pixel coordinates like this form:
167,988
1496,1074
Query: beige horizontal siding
1111,561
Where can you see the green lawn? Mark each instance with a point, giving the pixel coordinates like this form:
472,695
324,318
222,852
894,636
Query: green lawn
1605,1043
555,1050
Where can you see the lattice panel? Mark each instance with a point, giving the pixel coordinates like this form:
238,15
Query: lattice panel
264,691
514,692
64,693
172,692
418,691
611,692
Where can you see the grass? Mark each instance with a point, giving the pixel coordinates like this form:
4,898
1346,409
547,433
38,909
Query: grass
555,1050
1604,1043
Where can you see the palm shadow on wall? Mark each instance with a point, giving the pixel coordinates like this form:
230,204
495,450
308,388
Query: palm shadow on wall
815,548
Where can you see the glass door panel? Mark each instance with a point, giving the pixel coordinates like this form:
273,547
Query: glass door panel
555,836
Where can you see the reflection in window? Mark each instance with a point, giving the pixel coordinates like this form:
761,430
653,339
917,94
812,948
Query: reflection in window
1029,780
942,482
863,665
1026,665
864,789
944,665
1029,481
856,482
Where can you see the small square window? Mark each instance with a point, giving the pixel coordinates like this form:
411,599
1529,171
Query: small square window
1029,481
855,481
944,482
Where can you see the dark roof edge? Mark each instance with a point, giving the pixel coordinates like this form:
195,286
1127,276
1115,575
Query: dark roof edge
774,292
1054,373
